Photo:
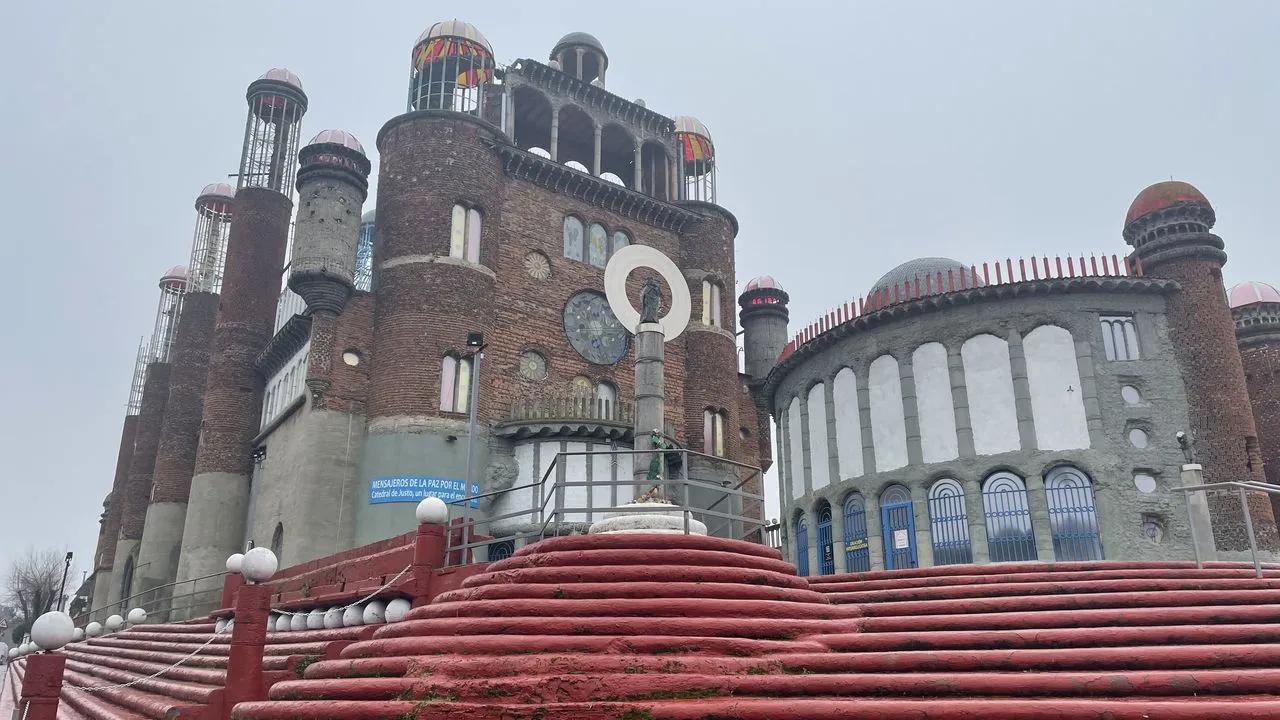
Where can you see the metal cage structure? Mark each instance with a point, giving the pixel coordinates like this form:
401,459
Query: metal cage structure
1004,504
449,68
1073,515
139,378
364,254
209,244
172,287
269,158
949,524
695,161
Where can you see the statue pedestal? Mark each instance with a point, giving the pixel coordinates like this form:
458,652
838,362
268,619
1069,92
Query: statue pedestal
646,517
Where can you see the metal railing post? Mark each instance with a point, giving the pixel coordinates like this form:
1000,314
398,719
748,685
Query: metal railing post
1248,526
1191,522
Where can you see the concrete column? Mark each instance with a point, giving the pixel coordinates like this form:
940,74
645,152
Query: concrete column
639,175
924,536
977,519
509,118
650,396
578,70
910,411
111,520
1022,393
595,157
811,522
555,132
837,539
41,686
1201,521
806,451
864,422
1089,392
960,401
875,534
1038,506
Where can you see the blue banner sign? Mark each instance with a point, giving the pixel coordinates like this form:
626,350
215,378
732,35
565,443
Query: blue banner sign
413,488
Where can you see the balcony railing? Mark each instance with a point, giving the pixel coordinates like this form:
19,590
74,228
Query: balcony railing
570,407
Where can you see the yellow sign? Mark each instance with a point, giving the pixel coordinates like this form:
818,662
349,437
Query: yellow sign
856,545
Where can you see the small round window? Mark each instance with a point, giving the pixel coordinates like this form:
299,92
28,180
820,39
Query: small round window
351,357
1131,395
1138,438
1144,482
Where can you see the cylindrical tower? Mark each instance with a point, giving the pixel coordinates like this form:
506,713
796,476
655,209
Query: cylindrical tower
333,182
581,55
189,370
764,317
172,287
696,161
219,497
209,245
434,282
449,69
1168,226
1255,307
364,253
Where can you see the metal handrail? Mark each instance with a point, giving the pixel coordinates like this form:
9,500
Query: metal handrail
124,601
1240,487
557,513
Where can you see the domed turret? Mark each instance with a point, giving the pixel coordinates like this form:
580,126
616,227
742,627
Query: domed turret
176,277
209,244
1166,209
922,268
1255,309
764,318
763,282
1250,293
697,159
451,63
276,106
173,283
581,55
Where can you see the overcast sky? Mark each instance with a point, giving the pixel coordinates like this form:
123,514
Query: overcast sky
851,137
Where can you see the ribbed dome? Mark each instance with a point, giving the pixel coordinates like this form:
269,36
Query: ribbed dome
176,275
338,137
920,268
221,190
691,125
1250,293
283,75
1162,195
455,29
763,281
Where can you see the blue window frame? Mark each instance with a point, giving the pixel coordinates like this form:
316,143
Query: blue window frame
897,518
802,547
1073,515
949,523
826,549
857,553
1009,534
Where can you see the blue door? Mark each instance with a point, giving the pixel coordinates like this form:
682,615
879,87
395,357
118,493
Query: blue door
899,523
802,548
857,555
826,552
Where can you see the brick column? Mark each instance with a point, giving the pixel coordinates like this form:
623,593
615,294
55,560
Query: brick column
41,686
248,638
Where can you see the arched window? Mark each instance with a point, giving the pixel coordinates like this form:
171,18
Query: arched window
897,518
949,523
711,303
540,152
802,546
501,550
606,399
1073,515
1004,503
597,245
857,554
826,550
572,237
713,422
464,234
126,580
619,241
277,540
455,384
613,178
577,166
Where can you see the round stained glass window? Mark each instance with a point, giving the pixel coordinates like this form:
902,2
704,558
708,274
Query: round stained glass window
593,330
533,366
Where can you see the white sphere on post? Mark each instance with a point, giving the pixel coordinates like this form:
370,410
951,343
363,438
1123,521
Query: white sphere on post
93,629
220,626
333,618
137,616
283,623
432,510
259,564
298,622
78,635
396,610
52,630
114,623
315,619
375,612
234,563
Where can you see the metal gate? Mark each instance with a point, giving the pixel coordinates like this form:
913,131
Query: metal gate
1009,534
826,551
857,554
1073,515
949,523
802,547
898,519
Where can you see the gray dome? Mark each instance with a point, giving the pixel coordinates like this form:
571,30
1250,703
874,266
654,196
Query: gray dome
578,38
367,218
920,268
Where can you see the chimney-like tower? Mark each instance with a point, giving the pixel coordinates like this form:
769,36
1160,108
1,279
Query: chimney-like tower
333,182
764,317
219,495
1255,307
1168,226
189,369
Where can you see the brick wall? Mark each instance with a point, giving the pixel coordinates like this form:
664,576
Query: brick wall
137,490
115,499
1262,375
180,433
354,333
246,317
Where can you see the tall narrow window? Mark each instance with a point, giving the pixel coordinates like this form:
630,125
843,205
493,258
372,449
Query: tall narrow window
620,240
1009,534
464,234
572,238
598,245
949,523
713,432
606,399
1119,337
711,304
455,384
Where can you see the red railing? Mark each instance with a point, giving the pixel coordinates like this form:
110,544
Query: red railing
1000,272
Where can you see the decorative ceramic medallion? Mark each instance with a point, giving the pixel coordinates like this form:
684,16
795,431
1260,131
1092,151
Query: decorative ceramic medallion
593,330
537,265
533,366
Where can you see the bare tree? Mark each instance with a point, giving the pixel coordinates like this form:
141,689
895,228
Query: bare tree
33,586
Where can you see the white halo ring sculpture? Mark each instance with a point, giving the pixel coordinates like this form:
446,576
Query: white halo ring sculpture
635,257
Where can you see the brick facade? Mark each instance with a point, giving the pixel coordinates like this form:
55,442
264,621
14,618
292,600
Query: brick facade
137,490
180,432
106,554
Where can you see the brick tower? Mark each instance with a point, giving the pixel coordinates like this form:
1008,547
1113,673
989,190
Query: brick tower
219,496
155,395
1255,307
764,318
1168,226
189,369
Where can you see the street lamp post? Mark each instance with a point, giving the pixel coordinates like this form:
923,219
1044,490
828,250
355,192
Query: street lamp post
62,589
475,341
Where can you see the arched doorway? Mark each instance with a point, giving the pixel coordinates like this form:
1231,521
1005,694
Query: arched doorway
1073,515
857,551
826,549
897,517
802,546
1009,534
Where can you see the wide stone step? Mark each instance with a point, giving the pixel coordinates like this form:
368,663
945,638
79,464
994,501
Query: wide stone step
1107,617
1027,603
196,693
500,646
133,699
630,607
637,574
626,589
168,658
1053,587
643,542
757,628
181,673
643,556
92,707
1168,635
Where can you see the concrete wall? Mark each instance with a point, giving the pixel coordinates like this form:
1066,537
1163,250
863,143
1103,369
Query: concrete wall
1037,373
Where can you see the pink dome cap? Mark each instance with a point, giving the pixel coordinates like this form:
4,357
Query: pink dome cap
176,275
283,75
763,282
1249,293
338,137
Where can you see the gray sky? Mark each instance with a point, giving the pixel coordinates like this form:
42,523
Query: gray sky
851,137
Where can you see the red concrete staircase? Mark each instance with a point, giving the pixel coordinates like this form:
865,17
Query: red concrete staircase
648,627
